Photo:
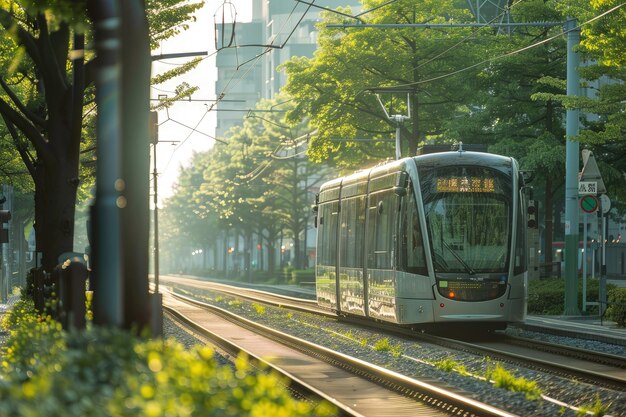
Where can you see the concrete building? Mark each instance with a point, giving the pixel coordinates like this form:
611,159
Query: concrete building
251,52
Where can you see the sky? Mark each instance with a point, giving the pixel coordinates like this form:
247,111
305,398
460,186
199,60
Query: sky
176,141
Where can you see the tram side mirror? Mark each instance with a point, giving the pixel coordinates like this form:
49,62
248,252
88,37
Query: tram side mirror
528,176
399,191
401,184
315,209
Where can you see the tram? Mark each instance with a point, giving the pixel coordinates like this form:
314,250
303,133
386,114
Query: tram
430,240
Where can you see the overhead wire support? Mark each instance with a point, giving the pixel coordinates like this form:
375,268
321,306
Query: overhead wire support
439,25
397,119
178,55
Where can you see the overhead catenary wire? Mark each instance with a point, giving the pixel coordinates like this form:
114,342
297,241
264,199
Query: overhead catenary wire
462,41
508,54
256,59
272,156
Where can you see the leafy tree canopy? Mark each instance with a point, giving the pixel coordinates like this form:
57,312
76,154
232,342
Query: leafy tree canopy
335,89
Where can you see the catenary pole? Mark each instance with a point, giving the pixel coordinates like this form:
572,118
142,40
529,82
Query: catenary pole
106,276
571,172
136,62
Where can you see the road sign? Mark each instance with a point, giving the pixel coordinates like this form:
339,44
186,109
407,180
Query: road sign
587,187
590,172
606,203
589,203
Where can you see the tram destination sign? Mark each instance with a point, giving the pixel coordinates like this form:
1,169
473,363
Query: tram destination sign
465,185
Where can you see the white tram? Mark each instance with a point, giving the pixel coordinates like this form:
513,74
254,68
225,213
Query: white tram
434,239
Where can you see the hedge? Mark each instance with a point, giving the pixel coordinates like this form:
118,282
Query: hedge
617,306
48,372
547,296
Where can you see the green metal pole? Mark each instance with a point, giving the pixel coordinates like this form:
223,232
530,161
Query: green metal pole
106,278
571,173
135,157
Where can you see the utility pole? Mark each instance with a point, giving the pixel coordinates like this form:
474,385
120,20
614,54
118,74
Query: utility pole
106,275
135,155
571,172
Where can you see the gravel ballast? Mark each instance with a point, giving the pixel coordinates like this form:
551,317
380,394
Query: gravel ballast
417,359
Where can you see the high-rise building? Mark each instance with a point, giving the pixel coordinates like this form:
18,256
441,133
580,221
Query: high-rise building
250,53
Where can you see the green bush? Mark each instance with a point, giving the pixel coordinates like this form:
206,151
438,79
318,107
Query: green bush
547,296
284,275
105,372
298,276
617,306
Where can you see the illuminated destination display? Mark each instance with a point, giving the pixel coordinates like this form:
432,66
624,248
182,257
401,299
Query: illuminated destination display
466,185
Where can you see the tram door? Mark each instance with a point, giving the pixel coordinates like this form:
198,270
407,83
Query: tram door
351,239
325,274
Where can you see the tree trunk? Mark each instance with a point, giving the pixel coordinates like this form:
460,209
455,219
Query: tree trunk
55,191
248,255
271,256
297,251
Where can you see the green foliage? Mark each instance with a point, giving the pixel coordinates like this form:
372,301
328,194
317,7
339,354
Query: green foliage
447,364
299,276
597,409
259,308
505,379
383,345
617,306
332,87
547,296
106,372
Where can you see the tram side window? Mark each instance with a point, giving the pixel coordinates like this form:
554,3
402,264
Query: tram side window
413,254
381,229
352,231
327,249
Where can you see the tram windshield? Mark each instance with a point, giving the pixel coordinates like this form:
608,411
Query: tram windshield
468,212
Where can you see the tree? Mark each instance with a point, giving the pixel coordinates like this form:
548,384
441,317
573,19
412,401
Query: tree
507,114
604,84
187,225
43,105
603,44
292,174
333,88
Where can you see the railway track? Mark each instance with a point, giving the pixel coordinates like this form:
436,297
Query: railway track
354,386
595,369
582,365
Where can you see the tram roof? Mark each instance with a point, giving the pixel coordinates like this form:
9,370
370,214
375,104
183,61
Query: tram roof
425,160
463,158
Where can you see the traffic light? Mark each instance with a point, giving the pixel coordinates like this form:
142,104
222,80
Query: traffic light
5,216
533,215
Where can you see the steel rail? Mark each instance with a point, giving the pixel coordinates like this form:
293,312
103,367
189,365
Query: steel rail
436,397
